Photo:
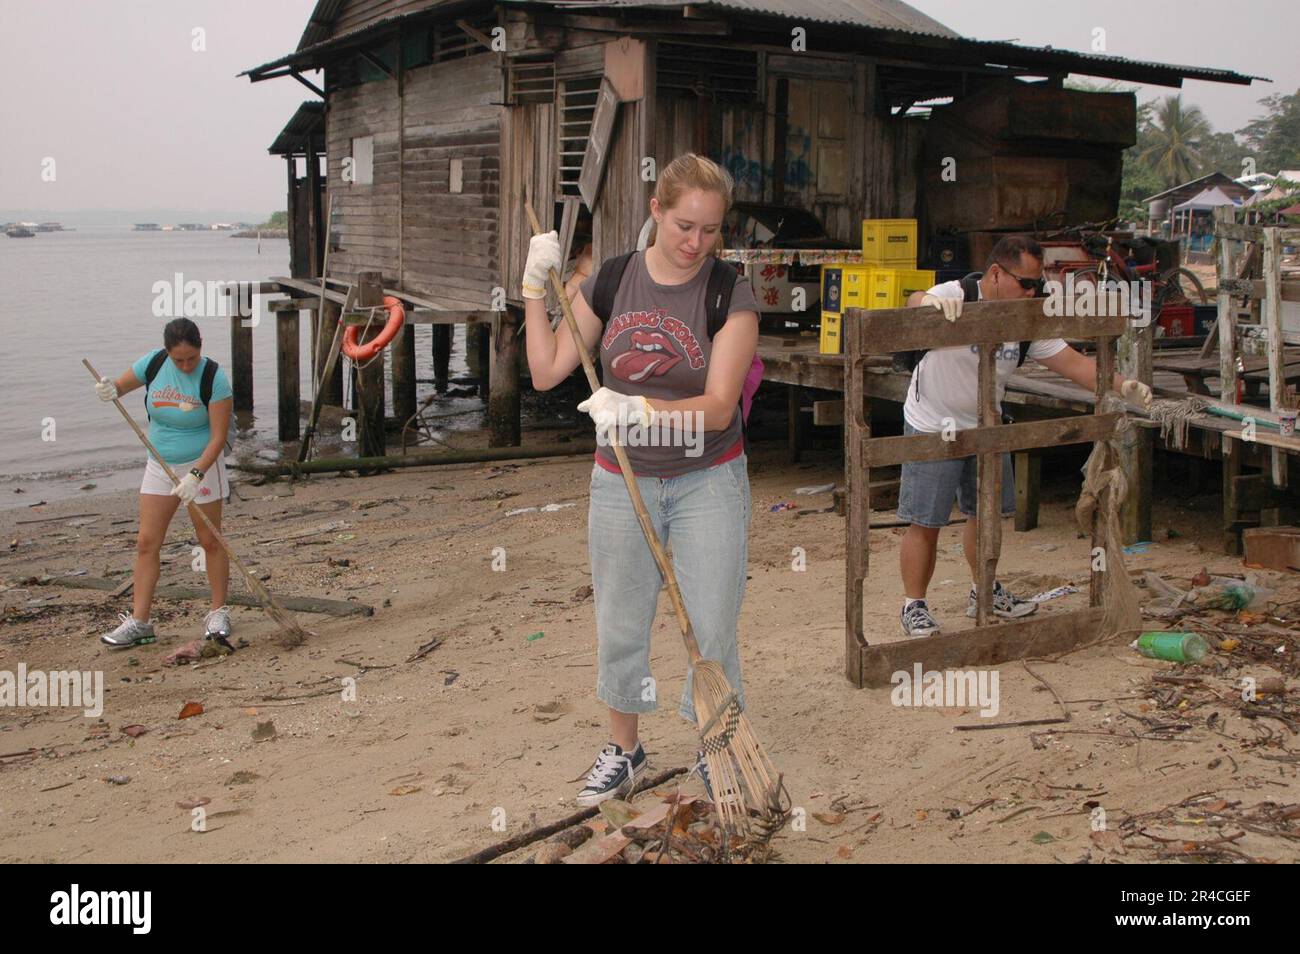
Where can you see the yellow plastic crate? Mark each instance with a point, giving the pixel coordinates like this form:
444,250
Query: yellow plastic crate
831,341
890,242
891,286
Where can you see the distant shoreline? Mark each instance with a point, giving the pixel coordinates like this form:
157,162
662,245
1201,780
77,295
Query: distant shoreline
264,233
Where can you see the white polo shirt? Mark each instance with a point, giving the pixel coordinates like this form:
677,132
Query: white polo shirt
945,384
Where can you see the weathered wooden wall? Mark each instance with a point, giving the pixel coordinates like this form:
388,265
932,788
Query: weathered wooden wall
408,224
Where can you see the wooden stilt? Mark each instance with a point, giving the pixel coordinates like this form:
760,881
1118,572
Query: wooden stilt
369,383
403,358
988,530
442,336
241,357
1029,478
503,401
331,391
287,371
1134,359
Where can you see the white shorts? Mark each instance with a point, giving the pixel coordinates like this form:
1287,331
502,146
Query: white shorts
215,485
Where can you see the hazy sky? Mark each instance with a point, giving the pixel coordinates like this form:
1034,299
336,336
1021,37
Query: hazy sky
135,118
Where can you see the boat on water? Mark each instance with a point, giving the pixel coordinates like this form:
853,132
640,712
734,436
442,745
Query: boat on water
50,227
147,227
19,231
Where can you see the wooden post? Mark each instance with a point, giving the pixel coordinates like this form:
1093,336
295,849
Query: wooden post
503,378
369,388
442,337
1272,315
241,353
857,496
1105,376
793,421
1029,479
988,519
1139,449
404,373
287,344
1232,451
332,390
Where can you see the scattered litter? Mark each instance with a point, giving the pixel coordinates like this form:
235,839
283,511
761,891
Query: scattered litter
190,709
1142,546
550,711
549,508
1054,594
1172,647
134,731
451,674
535,636
513,513
118,779
817,489
406,790
190,651
777,508
189,804
88,486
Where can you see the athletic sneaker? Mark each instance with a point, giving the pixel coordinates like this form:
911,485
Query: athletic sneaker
1004,604
916,620
216,625
613,773
130,632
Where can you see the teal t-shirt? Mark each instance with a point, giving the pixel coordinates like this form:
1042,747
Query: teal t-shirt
178,424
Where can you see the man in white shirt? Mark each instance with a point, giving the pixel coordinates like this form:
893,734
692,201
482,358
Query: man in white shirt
944,395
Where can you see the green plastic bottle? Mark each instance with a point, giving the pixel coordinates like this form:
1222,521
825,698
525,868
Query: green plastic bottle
1174,647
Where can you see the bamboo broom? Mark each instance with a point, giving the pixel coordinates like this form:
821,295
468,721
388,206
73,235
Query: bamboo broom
740,772
291,634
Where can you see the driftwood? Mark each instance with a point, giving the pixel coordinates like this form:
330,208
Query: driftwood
523,839
429,459
302,604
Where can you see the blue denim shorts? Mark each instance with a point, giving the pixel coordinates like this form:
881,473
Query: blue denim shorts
703,517
928,488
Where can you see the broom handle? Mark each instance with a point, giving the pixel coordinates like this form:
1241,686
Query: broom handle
634,491
254,584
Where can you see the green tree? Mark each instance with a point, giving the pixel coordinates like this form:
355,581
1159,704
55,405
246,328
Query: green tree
1221,152
1175,136
1274,138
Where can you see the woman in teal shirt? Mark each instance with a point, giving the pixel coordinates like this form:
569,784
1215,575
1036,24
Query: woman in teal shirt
190,434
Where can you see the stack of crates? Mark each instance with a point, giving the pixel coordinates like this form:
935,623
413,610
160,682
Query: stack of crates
887,275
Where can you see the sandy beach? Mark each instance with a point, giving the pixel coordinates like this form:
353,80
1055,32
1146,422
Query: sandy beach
502,715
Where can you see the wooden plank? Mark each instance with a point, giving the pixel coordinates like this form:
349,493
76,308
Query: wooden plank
288,387
1254,288
403,373
1105,375
299,604
997,438
857,504
988,529
983,322
1276,548
1036,635
1137,454
1224,223
592,176
826,413
1029,481
241,359
504,404
1272,316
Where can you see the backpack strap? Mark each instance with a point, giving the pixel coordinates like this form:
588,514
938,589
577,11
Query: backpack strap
205,382
1024,352
717,297
970,286
150,372
608,277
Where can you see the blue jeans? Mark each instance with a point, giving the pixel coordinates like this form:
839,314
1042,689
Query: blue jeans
704,517
927,488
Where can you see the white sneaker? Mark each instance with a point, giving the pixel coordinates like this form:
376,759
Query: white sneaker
917,621
216,625
1004,604
130,632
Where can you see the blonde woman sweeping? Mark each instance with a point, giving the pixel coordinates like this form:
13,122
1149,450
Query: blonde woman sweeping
677,330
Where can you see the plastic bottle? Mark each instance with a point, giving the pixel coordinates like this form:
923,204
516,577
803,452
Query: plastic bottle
1174,647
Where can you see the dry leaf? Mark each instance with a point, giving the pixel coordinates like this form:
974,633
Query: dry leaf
829,818
264,732
405,790
192,803
190,709
1228,645
922,814
1217,805
845,851
1108,841
617,812
134,731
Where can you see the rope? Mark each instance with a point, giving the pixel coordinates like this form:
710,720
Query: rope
1104,490
1174,418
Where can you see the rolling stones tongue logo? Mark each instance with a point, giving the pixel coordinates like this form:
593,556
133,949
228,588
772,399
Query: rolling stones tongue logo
651,354
656,343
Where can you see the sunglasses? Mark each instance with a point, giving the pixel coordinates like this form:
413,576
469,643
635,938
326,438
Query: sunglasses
1036,285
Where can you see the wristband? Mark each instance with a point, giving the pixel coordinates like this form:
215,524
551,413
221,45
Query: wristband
196,472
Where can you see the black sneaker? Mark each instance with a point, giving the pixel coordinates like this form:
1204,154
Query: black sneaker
917,621
1004,604
612,774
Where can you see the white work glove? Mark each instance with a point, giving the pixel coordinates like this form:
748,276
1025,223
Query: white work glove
543,255
951,307
1137,392
106,389
610,409
187,489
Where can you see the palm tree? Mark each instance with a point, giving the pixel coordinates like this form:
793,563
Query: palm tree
1175,136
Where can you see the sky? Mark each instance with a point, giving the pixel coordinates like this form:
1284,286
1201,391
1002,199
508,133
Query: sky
136,118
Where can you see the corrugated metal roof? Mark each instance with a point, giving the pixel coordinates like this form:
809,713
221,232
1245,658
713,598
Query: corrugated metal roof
883,17
307,121
877,14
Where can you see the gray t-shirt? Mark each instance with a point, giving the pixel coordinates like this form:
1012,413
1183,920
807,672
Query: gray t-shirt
657,344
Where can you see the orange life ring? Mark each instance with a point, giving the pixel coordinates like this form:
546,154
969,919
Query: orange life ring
364,352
